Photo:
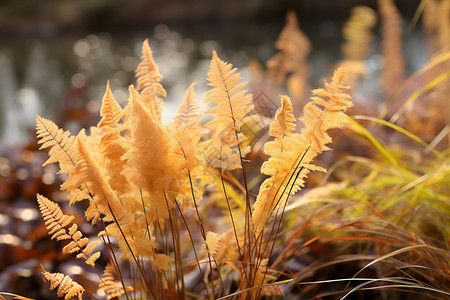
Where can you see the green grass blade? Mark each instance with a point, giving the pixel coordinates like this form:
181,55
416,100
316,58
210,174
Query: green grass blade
401,130
383,151
419,93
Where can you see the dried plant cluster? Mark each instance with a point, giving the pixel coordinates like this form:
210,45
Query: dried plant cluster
139,175
150,187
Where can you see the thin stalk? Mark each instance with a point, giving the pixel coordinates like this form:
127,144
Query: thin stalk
202,230
295,166
234,226
248,210
145,214
176,246
279,223
193,248
129,248
284,206
111,253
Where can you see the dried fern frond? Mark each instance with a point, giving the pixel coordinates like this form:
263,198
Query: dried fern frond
57,225
233,107
263,276
149,82
283,153
291,154
393,74
284,123
213,243
89,174
189,113
111,148
185,130
153,164
67,288
110,111
63,150
358,37
294,47
326,111
188,140
109,284
60,142
357,33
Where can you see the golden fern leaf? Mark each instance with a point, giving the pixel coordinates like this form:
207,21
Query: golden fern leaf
57,225
185,128
232,109
110,110
283,154
213,243
64,151
335,100
189,112
61,144
67,288
150,156
263,275
291,153
112,288
149,82
188,139
89,175
284,120
294,47
112,149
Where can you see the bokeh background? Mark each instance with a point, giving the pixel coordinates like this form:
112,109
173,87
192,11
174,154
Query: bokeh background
56,57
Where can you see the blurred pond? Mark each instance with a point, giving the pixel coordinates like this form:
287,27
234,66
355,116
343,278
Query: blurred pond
63,78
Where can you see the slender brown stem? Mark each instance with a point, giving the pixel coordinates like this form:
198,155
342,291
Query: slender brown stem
147,284
193,248
282,213
176,246
202,229
234,226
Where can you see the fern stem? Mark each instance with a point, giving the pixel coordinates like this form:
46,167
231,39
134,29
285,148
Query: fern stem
234,226
281,218
193,248
202,229
138,265
113,259
176,246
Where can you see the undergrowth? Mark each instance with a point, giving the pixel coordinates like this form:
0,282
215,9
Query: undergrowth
185,210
